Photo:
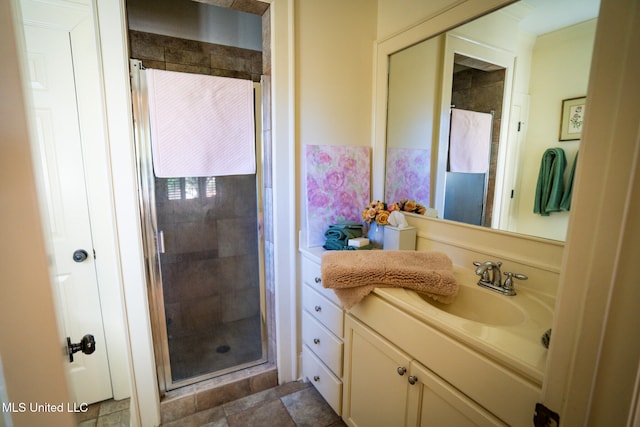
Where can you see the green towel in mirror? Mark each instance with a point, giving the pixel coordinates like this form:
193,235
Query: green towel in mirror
550,187
565,204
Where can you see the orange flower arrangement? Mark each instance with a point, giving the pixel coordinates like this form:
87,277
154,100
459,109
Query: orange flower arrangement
407,205
376,211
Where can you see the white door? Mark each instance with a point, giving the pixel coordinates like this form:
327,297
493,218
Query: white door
50,28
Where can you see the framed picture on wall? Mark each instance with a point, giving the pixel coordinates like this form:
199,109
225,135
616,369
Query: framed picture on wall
572,118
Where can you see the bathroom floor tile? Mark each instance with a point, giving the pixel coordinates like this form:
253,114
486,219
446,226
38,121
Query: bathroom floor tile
309,409
268,415
210,417
250,401
114,419
291,404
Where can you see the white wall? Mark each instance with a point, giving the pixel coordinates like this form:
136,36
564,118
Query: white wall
334,42
192,20
334,57
560,70
414,82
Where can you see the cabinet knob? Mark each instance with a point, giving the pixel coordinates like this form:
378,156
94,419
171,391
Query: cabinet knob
412,379
316,378
317,279
317,308
316,341
401,370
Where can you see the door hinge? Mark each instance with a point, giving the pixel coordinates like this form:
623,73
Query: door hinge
519,126
545,417
512,193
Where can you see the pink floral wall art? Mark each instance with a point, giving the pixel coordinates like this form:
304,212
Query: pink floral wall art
408,175
338,187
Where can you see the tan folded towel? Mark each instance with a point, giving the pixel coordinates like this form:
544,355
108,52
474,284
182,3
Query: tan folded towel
354,274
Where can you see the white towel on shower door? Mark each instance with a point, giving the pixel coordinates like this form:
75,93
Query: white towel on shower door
469,141
200,125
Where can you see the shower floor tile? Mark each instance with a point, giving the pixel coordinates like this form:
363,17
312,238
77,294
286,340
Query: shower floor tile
226,345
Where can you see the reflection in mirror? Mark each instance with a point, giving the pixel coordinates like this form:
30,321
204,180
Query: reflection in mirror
467,129
474,139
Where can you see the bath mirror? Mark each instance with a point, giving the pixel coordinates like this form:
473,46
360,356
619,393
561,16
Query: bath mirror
470,113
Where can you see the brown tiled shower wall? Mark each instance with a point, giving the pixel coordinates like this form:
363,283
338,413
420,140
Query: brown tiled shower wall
189,56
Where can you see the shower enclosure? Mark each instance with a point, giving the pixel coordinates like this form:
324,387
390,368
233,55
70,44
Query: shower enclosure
204,252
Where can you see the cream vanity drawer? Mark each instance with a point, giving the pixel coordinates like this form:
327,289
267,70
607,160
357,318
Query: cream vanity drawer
312,276
324,310
322,379
326,346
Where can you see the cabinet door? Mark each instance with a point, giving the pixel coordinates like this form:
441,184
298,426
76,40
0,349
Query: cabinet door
375,389
435,403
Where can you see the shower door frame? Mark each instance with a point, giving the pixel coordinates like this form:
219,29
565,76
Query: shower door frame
152,239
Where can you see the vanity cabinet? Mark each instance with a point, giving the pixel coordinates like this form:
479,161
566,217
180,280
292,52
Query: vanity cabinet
385,362
322,332
384,386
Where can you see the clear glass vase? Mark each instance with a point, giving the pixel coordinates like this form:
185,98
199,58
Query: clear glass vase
376,235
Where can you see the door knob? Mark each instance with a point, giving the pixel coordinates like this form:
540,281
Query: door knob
80,255
87,345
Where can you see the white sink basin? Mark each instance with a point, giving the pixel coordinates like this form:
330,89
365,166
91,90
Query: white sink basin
480,305
509,328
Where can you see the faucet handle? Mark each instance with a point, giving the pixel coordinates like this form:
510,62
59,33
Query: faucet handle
508,282
482,270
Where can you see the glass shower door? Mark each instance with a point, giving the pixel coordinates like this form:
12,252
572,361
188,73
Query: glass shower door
209,267
204,251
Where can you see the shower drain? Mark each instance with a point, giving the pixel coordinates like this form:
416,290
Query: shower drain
223,349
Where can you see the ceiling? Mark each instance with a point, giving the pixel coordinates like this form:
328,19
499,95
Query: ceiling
549,15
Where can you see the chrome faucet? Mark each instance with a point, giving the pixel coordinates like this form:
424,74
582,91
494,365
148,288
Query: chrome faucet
491,277
489,272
